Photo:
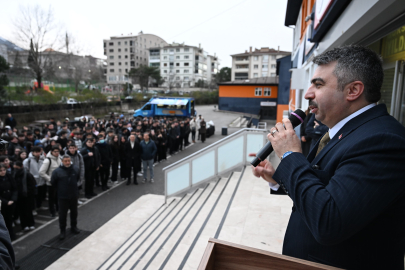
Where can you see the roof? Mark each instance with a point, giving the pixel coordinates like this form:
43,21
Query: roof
292,12
261,52
175,47
254,81
174,101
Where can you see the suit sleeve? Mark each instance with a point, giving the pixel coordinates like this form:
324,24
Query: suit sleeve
7,257
372,169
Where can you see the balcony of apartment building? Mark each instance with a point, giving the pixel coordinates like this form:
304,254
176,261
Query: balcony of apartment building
242,68
240,76
243,59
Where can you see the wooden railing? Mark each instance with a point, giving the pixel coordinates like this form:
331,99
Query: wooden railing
225,255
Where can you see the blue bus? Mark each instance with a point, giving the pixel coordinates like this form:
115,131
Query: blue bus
167,106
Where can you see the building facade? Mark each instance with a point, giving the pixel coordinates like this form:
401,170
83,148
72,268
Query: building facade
256,64
126,52
323,25
183,65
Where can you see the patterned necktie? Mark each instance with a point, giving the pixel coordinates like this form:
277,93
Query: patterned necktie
324,141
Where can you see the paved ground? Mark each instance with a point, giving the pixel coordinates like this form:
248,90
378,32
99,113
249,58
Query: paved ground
94,213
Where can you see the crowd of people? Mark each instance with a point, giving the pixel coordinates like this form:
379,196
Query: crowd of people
62,159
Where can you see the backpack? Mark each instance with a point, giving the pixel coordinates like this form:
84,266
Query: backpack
49,166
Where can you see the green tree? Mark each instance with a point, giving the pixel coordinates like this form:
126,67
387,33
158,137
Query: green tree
4,66
142,75
225,74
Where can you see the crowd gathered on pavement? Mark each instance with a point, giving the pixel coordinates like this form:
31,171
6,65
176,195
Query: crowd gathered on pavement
63,159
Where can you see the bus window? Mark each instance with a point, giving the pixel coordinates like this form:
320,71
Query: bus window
147,107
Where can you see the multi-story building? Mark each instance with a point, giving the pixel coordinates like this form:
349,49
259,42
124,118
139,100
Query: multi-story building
256,64
126,52
183,65
324,25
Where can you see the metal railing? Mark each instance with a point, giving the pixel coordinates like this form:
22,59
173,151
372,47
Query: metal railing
262,125
214,160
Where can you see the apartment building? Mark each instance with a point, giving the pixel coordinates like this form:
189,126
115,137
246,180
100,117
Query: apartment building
183,65
256,64
126,52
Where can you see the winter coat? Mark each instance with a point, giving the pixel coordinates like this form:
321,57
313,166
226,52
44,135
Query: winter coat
90,161
105,154
115,150
148,150
203,127
25,186
33,166
193,125
10,122
65,181
48,166
77,160
8,189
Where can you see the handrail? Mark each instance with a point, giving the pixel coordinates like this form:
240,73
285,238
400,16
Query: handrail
187,173
212,146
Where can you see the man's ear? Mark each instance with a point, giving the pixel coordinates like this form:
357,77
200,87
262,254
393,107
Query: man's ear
354,90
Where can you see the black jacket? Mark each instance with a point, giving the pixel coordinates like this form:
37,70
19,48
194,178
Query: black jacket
115,150
10,122
64,180
135,152
27,188
90,161
8,189
105,154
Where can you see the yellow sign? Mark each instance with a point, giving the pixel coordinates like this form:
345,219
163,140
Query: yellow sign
393,47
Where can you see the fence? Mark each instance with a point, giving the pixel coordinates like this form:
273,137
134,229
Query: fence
212,161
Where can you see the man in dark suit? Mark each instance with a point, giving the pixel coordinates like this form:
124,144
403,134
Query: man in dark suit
349,194
133,156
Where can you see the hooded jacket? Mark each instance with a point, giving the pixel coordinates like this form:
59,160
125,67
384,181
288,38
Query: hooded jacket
50,164
33,166
77,160
90,162
148,150
65,180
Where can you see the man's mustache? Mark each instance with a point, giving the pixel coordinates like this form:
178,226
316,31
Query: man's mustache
312,103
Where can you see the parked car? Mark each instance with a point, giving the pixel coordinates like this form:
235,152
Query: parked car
181,93
72,101
129,97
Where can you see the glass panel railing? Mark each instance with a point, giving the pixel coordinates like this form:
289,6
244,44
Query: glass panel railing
230,154
203,167
253,145
178,179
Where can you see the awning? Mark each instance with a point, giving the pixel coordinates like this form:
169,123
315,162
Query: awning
164,101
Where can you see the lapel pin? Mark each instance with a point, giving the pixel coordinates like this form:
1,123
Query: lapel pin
340,136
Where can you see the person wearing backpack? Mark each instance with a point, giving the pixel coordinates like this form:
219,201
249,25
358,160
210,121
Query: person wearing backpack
26,195
33,164
51,162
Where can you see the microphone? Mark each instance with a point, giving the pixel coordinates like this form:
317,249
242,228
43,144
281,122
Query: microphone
297,117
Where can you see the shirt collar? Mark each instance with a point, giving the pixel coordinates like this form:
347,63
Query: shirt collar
338,126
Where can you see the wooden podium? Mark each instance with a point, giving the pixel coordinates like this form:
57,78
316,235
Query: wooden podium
225,255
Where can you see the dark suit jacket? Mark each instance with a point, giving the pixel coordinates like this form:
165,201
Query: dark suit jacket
349,201
133,153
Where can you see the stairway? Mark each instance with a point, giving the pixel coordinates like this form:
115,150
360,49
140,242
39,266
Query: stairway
237,208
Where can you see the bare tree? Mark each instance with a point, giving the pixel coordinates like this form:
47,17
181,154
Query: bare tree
38,29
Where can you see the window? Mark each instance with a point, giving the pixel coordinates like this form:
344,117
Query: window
130,43
177,71
258,91
125,43
242,66
111,43
264,74
132,63
255,66
126,63
111,50
267,92
112,70
171,50
186,64
165,71
165,64
265,66
186,71
242,59
255,75
177,57
119,50
119,70
186,78
164,50
126,50
273,57
178,78
273,74
265,58
177,64
111,56
111,63
256,58
177,50
119,63
126,56
186,57
126,70
273,66
119,56
119,42
165,78
164,57
186,50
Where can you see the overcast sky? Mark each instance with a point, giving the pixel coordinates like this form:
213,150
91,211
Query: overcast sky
223,27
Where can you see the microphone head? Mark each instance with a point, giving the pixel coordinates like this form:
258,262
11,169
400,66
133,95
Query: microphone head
297,117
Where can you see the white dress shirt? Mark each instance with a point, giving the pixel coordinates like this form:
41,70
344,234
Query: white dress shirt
335,129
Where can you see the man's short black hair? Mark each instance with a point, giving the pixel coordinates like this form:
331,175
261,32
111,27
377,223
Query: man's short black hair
21,135
55,147
29,133
18,163
72,145
36,149
63,132
356,63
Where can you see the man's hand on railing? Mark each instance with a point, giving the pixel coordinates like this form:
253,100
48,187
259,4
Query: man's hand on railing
264,170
